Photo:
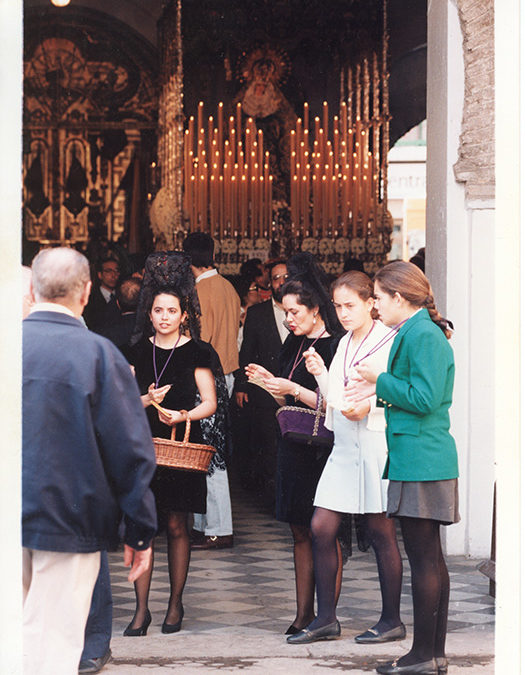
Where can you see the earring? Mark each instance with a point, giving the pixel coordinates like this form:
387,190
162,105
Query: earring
315,318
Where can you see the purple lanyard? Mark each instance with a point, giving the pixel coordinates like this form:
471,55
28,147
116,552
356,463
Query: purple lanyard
157,377
381,343
345,371
299,357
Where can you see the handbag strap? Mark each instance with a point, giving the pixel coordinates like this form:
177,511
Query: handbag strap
186,430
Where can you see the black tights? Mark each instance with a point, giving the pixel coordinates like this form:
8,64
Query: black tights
430,589
382,534
178,562
304,575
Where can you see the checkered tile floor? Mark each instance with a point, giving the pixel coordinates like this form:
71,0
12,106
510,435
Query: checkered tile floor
252,585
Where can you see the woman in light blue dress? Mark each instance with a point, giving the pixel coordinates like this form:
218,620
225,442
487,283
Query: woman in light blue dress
351,481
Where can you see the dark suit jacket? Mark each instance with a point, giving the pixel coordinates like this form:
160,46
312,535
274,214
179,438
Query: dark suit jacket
416,392
87,452
119,331
261,344
99,313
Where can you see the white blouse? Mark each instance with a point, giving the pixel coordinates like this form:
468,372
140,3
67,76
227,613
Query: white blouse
331,383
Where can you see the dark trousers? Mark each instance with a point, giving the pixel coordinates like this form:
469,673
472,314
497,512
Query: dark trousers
98,627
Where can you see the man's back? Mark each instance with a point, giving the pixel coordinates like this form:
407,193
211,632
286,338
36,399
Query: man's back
81,404
220,307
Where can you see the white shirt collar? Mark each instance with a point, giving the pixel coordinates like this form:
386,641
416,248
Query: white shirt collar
206,275
106,293
51,307
280,316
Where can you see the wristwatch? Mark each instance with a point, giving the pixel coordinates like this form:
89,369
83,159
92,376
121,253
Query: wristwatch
296,393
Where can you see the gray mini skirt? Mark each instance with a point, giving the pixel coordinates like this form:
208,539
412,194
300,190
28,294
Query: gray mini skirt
434,500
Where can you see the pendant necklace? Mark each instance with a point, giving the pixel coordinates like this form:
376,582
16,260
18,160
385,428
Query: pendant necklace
300,356
157,377
346,377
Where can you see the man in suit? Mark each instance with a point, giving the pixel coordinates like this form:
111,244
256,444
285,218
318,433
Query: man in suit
220,316
102,308
87,458
263,336
119,330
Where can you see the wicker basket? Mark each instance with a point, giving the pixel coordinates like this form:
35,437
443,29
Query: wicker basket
183,455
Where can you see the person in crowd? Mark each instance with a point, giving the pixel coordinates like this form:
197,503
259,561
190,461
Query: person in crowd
352,478
248,292
80,471
171,369
419,259
254,268
263,337
422,467
102,308
312,322
120,329
220,315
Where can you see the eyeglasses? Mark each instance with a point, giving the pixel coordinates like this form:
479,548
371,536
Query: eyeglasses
253,288
110,270
279,276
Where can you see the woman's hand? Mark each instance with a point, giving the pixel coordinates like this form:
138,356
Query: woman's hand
358,389
171,417
157,395
367,372
253,370
313,362
357,410
280,386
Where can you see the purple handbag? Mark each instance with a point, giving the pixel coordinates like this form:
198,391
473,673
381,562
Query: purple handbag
305,425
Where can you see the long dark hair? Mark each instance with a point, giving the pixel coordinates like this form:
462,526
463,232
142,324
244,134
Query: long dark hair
409,281
308,281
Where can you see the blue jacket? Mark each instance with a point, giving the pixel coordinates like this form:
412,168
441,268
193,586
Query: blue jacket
87,453
416,392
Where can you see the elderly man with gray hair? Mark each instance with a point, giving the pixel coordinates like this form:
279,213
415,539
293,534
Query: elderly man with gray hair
87,458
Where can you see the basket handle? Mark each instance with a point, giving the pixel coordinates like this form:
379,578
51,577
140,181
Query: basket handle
187,429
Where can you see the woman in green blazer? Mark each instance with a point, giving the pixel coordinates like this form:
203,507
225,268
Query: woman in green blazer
422,466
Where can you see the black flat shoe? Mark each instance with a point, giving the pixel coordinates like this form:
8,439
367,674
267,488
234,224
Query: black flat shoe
141,630
292,630
373,636
330,632
173,627
422,668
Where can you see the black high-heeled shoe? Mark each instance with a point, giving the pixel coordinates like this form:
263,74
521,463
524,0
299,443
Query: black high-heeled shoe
173,627
141,630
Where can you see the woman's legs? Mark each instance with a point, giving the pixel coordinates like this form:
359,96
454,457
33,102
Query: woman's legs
178,562
142,586
430,588
327,564
382,534
304,575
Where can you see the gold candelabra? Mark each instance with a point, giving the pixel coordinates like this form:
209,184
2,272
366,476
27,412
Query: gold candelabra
227,181
338,169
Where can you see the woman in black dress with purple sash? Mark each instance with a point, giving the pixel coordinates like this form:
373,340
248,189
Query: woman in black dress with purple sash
174,371
313,323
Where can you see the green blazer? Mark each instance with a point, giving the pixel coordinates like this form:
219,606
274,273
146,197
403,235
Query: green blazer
416,392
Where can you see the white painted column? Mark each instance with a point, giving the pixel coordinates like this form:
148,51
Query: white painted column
460,265
509,312
10,340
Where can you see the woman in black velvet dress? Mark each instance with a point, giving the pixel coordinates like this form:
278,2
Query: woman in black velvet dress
313,324
171,369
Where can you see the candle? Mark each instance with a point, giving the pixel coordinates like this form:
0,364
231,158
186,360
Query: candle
305,115
325,117
200,112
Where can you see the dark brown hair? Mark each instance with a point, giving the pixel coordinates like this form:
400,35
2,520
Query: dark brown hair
358,282
409,281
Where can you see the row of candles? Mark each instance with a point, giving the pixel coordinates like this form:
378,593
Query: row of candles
227,178
336,177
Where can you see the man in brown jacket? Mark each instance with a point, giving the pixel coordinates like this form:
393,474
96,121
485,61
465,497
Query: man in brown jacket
220,308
